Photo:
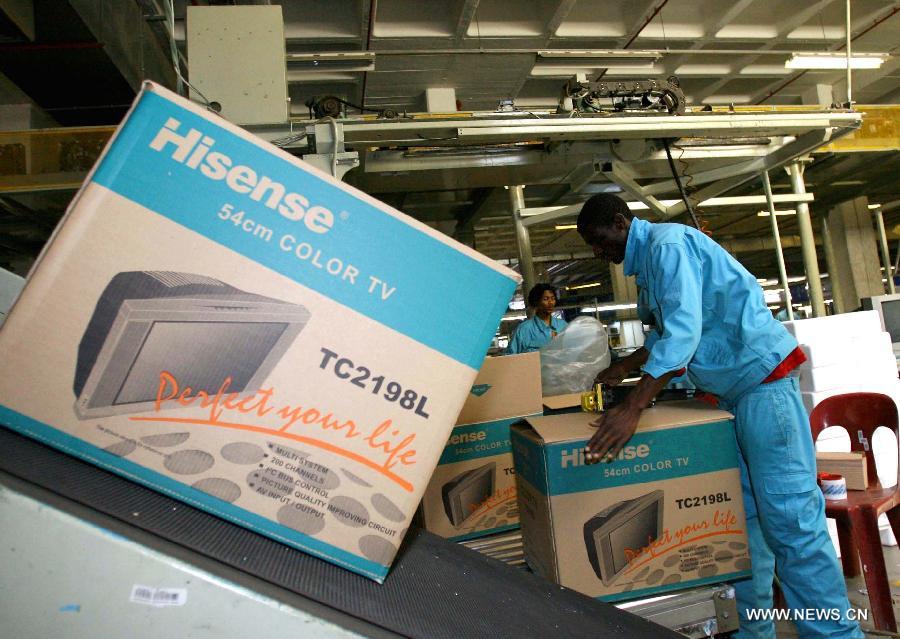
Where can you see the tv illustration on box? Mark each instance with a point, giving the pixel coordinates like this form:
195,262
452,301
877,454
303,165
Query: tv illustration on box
196,328
464,493
630,524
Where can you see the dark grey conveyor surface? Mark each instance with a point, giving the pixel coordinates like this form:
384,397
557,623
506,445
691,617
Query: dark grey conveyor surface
435,590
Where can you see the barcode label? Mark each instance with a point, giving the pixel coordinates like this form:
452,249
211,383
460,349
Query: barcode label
150,596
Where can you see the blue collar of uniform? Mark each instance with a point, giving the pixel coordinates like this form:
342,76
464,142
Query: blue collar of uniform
635,248
540,323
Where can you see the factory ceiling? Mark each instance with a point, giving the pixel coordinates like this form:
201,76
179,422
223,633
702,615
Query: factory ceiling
82,61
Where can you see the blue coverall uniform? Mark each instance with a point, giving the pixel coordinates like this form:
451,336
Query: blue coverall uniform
710,317
533,333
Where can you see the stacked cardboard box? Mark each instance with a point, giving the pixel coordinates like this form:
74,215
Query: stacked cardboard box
845,353
473,490
661,516
218,321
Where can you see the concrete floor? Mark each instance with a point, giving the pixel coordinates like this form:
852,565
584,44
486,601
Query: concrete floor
855,591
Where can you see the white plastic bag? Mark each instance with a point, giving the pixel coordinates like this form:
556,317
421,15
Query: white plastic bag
571,361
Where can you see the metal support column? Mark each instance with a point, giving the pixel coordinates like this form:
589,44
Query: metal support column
523,239
782,272
807,243
837,295
885,253
848,47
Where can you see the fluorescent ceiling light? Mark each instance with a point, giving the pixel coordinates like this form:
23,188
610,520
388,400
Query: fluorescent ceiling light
554,71
607,307
578,286
566,227
777,213
873,206
737,200
764,69
703,69
618,55
633,69
835,61
747,31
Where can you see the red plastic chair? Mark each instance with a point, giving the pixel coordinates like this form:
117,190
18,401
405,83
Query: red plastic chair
857,516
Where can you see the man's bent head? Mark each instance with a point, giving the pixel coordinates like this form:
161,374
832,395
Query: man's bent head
603,224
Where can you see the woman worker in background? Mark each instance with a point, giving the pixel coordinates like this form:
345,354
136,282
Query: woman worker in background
531,334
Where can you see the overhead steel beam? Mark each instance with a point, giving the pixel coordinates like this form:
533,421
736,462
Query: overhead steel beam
533,216
563,7
620,174
465,223
466,13
472,130
803,145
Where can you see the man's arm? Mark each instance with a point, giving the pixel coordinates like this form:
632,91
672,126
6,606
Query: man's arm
617,371
677,289
616,426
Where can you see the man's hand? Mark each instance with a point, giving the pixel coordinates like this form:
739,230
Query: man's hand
614,428
613,375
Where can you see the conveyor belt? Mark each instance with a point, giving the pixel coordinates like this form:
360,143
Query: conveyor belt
436,589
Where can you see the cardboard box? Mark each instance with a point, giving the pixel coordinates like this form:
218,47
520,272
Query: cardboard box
217,320
835,328
850,465
840,349
473,490
567,402
666,514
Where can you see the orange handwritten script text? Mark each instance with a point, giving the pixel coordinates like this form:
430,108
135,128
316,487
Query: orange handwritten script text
721,523
381,448
494,500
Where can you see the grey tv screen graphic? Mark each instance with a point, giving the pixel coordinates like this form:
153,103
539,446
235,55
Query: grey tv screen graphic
463,494
630,525
197,329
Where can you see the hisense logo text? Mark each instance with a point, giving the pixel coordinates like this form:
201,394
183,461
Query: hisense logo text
193,149
575,457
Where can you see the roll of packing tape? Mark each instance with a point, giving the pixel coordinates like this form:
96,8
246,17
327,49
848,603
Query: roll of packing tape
834,487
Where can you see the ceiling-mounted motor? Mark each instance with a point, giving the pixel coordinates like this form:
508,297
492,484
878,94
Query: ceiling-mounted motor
594,96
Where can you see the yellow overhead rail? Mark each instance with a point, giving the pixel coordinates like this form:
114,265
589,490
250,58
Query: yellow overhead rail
880,130
49,159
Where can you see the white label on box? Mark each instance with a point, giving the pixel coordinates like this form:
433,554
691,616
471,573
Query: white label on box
159,597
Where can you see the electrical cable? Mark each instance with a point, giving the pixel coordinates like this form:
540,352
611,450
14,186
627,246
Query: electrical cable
684,197
176,65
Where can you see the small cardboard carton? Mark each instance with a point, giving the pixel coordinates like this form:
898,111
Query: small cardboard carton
850,465
666,514
473,490
219,321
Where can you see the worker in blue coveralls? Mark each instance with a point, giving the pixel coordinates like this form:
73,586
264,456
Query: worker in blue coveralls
711,319
531,334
